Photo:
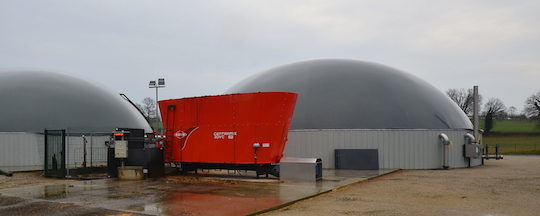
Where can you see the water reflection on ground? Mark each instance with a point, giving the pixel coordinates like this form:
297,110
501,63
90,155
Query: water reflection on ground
175,196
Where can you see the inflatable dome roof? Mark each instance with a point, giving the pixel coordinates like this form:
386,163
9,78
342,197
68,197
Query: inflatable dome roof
352,94
34,101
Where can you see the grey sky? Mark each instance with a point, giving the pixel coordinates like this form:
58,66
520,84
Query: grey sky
204,47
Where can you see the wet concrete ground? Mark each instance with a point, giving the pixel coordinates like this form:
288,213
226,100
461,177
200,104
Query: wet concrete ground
173,195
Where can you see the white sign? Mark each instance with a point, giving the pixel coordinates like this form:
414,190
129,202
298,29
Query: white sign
224,135
180,134
120,149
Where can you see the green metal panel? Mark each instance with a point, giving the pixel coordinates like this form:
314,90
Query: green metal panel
55,157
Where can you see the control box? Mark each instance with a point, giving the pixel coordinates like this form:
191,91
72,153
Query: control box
120,149
473,150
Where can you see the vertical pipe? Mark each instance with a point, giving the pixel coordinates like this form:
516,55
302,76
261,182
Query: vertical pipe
446,144
476,107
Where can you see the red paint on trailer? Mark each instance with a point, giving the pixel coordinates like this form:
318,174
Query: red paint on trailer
223,129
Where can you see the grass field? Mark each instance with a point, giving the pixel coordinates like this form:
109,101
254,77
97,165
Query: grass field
511,139
514,144
514,126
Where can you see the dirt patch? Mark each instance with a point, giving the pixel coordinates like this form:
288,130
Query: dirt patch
507,187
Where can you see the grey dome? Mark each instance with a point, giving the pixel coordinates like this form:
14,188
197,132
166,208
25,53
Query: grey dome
33,101
352,94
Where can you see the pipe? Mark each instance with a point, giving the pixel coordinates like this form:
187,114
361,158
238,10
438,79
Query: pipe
446,144
469,138
476,110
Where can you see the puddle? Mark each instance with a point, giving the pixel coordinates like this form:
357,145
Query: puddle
167,196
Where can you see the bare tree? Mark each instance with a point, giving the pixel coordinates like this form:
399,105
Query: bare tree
532,106
512,111
464,98
494,109
148,107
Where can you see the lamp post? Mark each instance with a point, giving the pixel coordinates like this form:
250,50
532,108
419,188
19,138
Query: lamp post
160,84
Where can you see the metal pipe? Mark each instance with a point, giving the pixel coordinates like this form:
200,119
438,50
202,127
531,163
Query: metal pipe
446,145
469,138
476,110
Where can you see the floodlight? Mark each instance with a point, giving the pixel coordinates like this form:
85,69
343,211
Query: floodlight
161,81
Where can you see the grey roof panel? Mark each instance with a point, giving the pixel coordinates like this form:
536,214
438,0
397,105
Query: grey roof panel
350,94
33,101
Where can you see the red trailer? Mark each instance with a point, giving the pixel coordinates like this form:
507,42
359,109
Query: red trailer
236,131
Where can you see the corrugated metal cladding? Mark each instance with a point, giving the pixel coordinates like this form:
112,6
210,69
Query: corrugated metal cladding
403,148
21,151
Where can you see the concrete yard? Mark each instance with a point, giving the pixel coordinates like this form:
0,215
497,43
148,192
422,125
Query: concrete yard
172,195
506,187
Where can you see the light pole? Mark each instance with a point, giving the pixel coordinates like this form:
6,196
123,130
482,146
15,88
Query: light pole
160,84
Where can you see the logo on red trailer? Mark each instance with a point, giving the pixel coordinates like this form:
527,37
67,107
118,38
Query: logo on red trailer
180,134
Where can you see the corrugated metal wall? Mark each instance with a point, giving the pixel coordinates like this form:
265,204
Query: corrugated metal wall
21,151
405,149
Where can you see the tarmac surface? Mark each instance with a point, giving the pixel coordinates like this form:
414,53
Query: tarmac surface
172,195
504,187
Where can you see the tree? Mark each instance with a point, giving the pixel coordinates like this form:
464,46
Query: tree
488,123
494,109
148,107
532,106
464,98
512,111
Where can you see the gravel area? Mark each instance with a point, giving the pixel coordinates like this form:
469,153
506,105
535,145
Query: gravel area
505,187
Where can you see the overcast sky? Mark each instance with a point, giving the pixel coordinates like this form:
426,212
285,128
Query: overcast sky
204,47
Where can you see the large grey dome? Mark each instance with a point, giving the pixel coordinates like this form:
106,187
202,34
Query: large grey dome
33,101
352,94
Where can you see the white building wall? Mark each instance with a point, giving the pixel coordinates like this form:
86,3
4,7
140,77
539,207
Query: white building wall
22,151
403,148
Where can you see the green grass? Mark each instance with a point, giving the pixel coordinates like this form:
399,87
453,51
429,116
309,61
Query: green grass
514,126
514,144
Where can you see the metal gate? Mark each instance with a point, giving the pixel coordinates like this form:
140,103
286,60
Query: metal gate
55,157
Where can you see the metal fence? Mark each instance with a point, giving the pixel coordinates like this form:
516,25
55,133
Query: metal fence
86,152
24,151
55,158
514,148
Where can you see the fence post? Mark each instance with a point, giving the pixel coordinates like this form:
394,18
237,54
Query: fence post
67,150
91,149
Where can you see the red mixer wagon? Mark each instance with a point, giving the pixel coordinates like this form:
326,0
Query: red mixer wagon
237,131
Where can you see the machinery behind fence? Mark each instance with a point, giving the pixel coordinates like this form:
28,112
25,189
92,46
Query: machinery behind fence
70,153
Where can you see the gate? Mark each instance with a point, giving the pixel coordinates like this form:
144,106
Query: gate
55,153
